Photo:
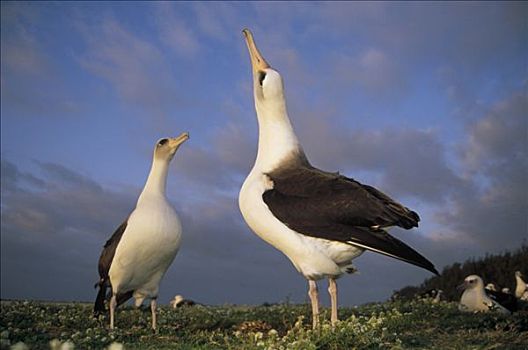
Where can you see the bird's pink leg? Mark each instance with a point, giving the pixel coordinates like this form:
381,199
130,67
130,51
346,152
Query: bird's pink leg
113,304
314,298
153,304
332,289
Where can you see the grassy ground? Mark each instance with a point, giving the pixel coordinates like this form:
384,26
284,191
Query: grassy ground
393,325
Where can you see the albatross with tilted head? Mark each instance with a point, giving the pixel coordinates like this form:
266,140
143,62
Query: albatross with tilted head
475,298
140,251
319,220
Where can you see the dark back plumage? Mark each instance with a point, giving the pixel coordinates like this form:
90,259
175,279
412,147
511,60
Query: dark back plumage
346,201
185,302
334,207
105,261
509,301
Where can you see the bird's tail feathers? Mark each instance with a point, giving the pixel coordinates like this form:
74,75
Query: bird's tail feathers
99,305
99,283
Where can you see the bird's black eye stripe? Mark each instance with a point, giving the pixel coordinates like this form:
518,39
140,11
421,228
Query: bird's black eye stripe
162,142
261,77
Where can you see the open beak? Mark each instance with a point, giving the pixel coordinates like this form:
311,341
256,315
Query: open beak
177,141
257,61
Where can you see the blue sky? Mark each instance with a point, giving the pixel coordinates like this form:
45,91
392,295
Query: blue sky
426,101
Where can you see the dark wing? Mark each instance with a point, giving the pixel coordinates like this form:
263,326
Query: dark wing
334,207
105,261
345,200
509,301
107,255
185,302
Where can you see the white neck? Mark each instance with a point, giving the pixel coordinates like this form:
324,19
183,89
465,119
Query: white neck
277,139
481,292
520,286
477,294
156,181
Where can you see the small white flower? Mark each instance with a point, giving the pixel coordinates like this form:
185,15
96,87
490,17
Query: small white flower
67,345
20,346
116,346
55,344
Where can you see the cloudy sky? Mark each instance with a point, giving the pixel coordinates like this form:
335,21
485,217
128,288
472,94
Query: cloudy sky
426,101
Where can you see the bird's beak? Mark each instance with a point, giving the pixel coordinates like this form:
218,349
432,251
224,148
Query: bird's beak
257,61
175,142
462,286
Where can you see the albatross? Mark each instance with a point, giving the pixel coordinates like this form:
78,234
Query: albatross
140,251
521,288
180,301
475,298
321,221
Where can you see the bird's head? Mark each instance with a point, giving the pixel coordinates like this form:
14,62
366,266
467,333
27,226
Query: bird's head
267,82
167,147
518,274
491,286
472,281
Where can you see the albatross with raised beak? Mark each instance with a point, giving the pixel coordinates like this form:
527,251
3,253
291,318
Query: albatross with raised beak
321,221
140,251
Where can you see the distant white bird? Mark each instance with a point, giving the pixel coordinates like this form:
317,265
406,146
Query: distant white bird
506,290
475,298
521,288
491,286
321,221
141,250
438,296
179,301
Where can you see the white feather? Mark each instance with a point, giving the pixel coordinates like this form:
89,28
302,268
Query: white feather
521,290
151,239
146,250
313,257
475,298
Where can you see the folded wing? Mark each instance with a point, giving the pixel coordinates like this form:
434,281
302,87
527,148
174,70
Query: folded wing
334,207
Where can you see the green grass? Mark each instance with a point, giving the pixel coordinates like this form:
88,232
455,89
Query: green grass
417,324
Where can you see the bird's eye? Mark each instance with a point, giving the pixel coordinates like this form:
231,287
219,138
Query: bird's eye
261,77
162,142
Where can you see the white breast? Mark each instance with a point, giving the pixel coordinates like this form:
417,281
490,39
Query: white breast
521,291
146,250
477,300
313,257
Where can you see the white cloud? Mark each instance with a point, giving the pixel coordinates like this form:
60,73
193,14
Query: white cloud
28,68
372,72
499,136
217,20
135,67
175,30
493,214
21,51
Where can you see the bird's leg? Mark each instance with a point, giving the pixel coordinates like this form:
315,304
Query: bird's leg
153,304
113,304
332,289
314,298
